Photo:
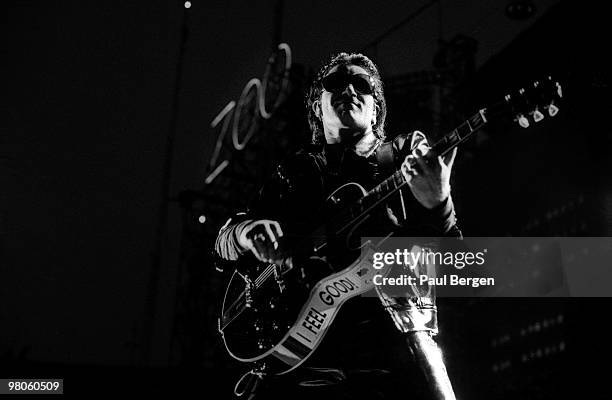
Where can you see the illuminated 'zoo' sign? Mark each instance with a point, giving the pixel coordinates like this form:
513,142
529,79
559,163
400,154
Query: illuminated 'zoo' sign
258,101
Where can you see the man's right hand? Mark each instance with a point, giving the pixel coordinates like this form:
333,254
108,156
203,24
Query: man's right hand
262,237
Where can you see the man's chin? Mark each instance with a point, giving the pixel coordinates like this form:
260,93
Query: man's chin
354,126
349,120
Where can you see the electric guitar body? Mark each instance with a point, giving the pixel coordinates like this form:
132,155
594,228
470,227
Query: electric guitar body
278,315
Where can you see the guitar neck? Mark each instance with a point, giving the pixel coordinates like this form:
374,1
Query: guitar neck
392,184
461,133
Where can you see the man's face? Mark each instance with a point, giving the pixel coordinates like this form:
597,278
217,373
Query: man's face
347,107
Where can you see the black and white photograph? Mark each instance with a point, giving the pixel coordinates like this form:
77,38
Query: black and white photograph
306,199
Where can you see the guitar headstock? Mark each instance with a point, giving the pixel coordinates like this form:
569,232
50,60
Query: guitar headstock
535,101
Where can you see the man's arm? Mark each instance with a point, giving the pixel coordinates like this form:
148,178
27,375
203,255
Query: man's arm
257,230
260,236
428,177
227,244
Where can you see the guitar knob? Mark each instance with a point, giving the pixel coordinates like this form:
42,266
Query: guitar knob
279,279
559,90
537,115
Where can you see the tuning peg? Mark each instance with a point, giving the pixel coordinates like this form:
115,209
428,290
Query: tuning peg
556,86
552,110
523,121
537,115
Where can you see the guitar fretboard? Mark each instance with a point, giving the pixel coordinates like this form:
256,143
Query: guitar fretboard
396,181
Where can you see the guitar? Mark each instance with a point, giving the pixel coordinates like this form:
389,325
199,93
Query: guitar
275,316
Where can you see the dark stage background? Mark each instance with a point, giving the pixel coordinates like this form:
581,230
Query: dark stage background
107,221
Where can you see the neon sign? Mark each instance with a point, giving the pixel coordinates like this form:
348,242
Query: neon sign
254,94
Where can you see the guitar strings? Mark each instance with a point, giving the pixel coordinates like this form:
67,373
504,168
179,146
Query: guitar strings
264,275
240,301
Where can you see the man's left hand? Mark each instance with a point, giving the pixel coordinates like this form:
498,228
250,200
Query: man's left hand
428,175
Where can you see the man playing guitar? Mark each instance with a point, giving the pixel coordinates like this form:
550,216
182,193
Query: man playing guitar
346,112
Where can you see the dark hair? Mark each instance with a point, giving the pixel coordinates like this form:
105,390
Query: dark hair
314,93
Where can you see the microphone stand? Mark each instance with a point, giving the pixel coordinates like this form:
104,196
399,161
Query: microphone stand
162,220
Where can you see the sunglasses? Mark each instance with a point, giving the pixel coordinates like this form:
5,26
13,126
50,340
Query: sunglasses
338,81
